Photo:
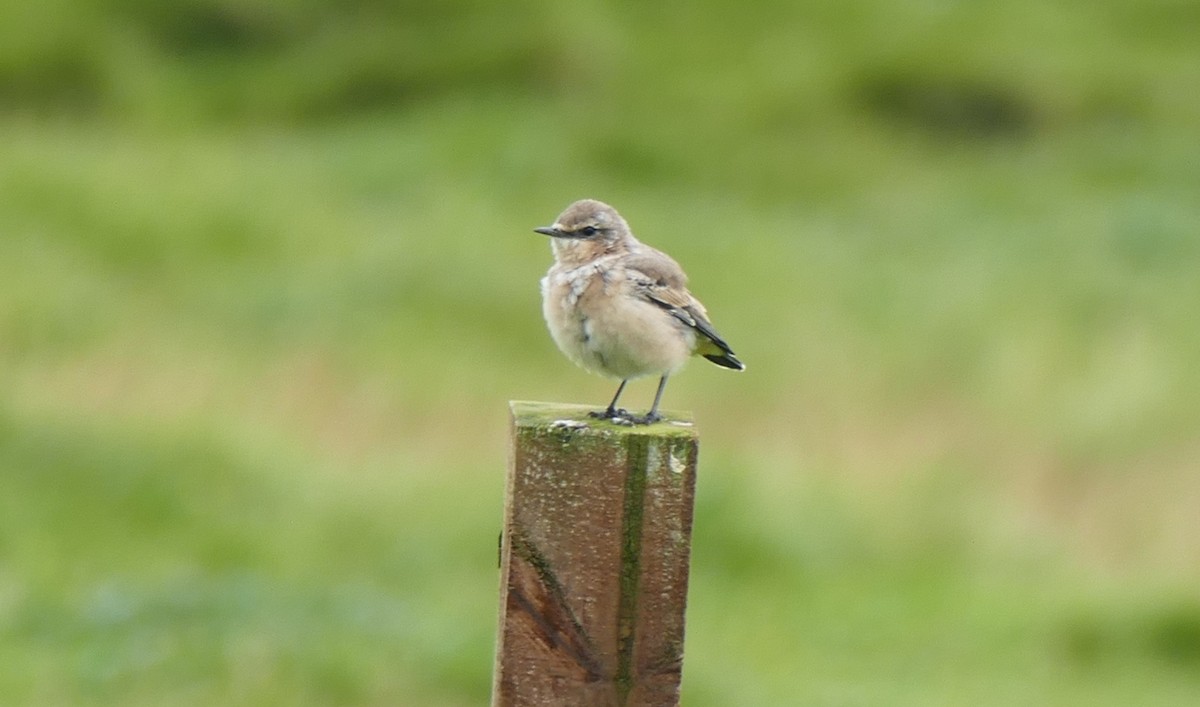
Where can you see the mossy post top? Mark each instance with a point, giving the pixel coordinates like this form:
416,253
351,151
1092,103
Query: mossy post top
529,414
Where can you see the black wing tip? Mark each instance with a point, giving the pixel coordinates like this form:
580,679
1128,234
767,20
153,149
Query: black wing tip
726,360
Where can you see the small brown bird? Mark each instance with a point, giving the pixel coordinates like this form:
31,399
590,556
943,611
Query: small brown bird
620,308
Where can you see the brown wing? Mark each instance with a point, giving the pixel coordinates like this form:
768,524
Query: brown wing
660,280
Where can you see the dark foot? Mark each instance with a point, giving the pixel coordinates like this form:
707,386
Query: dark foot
610,414
648,419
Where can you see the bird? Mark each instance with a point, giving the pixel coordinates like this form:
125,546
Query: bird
620,308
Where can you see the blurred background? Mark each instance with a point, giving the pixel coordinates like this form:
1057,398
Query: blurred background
268,280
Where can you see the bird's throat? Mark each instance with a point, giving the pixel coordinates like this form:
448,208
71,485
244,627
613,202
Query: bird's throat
575,252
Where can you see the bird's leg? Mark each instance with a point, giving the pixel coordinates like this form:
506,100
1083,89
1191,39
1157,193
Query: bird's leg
653,416
612,412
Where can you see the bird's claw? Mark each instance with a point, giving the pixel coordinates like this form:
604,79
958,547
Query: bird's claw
648,419
610,414
621,416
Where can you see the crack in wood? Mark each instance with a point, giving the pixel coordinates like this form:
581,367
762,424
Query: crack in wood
547,605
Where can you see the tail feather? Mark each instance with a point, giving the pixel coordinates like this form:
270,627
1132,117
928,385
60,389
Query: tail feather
714,348
726,360
710,345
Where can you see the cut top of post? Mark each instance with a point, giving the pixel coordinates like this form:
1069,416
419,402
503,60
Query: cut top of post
576,417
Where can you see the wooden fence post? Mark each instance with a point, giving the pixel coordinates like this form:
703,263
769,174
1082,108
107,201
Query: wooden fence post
594,560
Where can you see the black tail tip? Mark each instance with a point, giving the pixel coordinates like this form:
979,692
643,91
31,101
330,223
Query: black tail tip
726,360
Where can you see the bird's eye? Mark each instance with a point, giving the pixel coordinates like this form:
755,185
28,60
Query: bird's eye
588,230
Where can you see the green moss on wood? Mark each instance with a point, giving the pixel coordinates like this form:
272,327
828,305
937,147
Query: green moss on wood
639,450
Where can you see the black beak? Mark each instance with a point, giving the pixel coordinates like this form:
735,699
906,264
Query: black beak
549,231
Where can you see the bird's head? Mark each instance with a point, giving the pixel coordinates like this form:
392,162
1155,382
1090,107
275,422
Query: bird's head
585,230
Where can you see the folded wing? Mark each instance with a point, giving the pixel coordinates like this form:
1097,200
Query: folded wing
660,280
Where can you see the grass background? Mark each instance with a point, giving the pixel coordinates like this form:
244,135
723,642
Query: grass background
267,280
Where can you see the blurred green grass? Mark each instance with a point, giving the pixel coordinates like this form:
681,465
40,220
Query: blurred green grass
267,281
